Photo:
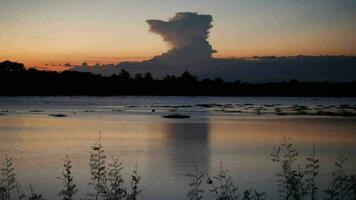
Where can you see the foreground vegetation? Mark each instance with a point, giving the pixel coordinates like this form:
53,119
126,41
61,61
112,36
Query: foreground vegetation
294,182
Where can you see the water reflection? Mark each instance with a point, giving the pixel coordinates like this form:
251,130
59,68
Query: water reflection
188,146
166,150
179,149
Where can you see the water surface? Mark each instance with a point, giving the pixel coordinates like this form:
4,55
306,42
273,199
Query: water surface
165,150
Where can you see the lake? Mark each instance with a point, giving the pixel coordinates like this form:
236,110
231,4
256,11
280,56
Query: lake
239,132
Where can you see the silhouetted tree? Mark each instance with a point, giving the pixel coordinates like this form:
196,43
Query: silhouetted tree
138,77
8,66
188,78
218,80
124,75
148,77
85,83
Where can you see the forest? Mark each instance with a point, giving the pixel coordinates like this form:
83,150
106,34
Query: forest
15,80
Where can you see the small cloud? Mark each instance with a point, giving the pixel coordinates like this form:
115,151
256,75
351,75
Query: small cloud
67,65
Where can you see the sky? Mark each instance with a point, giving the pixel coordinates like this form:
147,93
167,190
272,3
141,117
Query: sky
47,33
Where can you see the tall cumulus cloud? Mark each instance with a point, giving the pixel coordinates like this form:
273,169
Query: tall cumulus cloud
187,34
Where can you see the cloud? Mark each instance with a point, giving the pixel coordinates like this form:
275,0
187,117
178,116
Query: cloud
67,65
187,34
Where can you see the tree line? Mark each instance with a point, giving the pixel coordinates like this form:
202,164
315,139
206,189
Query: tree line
15,79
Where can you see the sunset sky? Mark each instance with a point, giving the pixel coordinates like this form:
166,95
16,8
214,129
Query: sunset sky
53,32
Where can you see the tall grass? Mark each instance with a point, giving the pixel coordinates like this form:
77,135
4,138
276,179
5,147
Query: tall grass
8,181
221,187
106,180
34,195
98,170
291,181
294,181
69,188
225,188
114,184
195,192
311,173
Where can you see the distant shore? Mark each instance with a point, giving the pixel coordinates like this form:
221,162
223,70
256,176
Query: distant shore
18,81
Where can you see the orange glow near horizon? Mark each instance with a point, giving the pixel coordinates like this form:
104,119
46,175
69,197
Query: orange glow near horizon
53,54
46,34
57,62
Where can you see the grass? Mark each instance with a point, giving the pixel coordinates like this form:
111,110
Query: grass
294,182
106,179
69,188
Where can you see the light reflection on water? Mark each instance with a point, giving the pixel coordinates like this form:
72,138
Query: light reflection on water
165,150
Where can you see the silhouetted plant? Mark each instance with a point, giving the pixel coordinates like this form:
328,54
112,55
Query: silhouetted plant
114,188
247,195
34,195
2,192
107,180
339,188
351,180
67,178
20,195
109,183
135,181
295,184
98,169
290,182
8,180
331,193
195,192
225,188
252,194
311,172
